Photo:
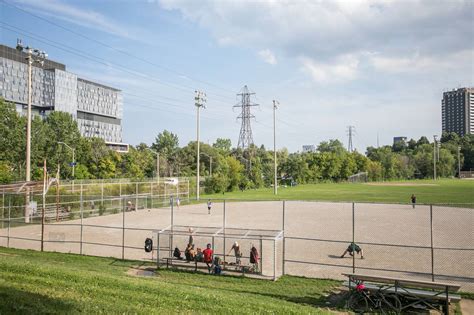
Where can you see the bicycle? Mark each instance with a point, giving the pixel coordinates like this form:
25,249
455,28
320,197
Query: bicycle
362,300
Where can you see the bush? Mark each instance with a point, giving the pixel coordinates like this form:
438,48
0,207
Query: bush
101,209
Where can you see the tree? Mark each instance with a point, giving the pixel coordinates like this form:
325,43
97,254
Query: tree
334,146
423,140
224,145
166,143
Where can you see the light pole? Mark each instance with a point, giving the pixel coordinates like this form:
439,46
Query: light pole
434,156
73,157
275,186
210,163
33,55
459,161
199,101
157,163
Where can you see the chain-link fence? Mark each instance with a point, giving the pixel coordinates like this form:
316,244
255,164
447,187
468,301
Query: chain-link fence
428,242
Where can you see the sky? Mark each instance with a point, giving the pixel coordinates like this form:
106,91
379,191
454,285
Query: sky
380,66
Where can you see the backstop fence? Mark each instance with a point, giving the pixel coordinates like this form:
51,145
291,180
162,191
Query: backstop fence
434,242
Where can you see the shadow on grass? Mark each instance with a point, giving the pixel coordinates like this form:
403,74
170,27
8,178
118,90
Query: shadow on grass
17,301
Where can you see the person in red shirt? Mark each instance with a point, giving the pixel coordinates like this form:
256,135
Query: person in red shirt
208,252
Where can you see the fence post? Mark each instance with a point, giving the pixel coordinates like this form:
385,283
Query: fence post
274,259
102,194
9,220
432,250
353,237
188,190
283,245
223,229
172,226
158,249
261,256
136,196
3,206
151,194
82,210
123,228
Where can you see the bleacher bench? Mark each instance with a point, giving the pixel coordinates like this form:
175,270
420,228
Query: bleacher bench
414,291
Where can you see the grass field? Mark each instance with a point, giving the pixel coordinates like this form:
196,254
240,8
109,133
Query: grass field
427,191
35,282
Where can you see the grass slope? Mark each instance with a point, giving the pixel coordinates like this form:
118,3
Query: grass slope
427,191
35,282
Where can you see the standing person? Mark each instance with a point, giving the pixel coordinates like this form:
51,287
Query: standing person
237,252
177,202
209,205
254,258
208,252
413,200
191,237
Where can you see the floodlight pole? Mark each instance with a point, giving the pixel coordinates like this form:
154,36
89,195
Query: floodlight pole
199,101
33,55
73,157
434,157
157,163
459,161
275,185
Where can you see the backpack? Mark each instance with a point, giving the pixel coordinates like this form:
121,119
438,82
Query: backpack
177,252
148,245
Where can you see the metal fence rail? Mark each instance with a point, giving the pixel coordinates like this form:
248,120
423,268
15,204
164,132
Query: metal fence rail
430,242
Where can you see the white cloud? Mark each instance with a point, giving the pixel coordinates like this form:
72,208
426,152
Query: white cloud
418,63
325,32
82,17
268,56
344,68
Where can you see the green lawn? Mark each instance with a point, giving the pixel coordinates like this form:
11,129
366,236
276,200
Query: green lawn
35,282
427,191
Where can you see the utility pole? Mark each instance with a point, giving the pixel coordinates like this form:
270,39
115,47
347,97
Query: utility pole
157,163
275,183
350,133
199,101
73,158
434,157
459,161
33,55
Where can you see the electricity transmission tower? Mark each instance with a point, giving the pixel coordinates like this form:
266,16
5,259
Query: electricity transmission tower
350,133
245,137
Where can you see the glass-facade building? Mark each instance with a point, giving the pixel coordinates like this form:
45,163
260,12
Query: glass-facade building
98,109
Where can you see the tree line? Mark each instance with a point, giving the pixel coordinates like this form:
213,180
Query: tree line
232,168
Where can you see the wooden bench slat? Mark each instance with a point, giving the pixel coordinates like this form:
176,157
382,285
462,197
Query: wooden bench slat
401,281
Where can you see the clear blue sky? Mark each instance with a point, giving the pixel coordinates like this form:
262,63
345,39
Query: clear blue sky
378,65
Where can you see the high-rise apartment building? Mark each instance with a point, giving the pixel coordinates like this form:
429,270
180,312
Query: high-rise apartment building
96,108
457,109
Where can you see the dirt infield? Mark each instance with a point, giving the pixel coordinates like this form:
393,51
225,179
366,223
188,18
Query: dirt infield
396,239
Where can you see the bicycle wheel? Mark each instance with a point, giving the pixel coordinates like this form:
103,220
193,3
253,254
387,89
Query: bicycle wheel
391,303
357,302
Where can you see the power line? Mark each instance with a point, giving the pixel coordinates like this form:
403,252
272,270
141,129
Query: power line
88,56
116,49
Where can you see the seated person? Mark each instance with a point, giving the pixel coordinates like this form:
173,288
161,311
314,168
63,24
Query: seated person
199,255
217,265
351,248
208,253
177,253
189,252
